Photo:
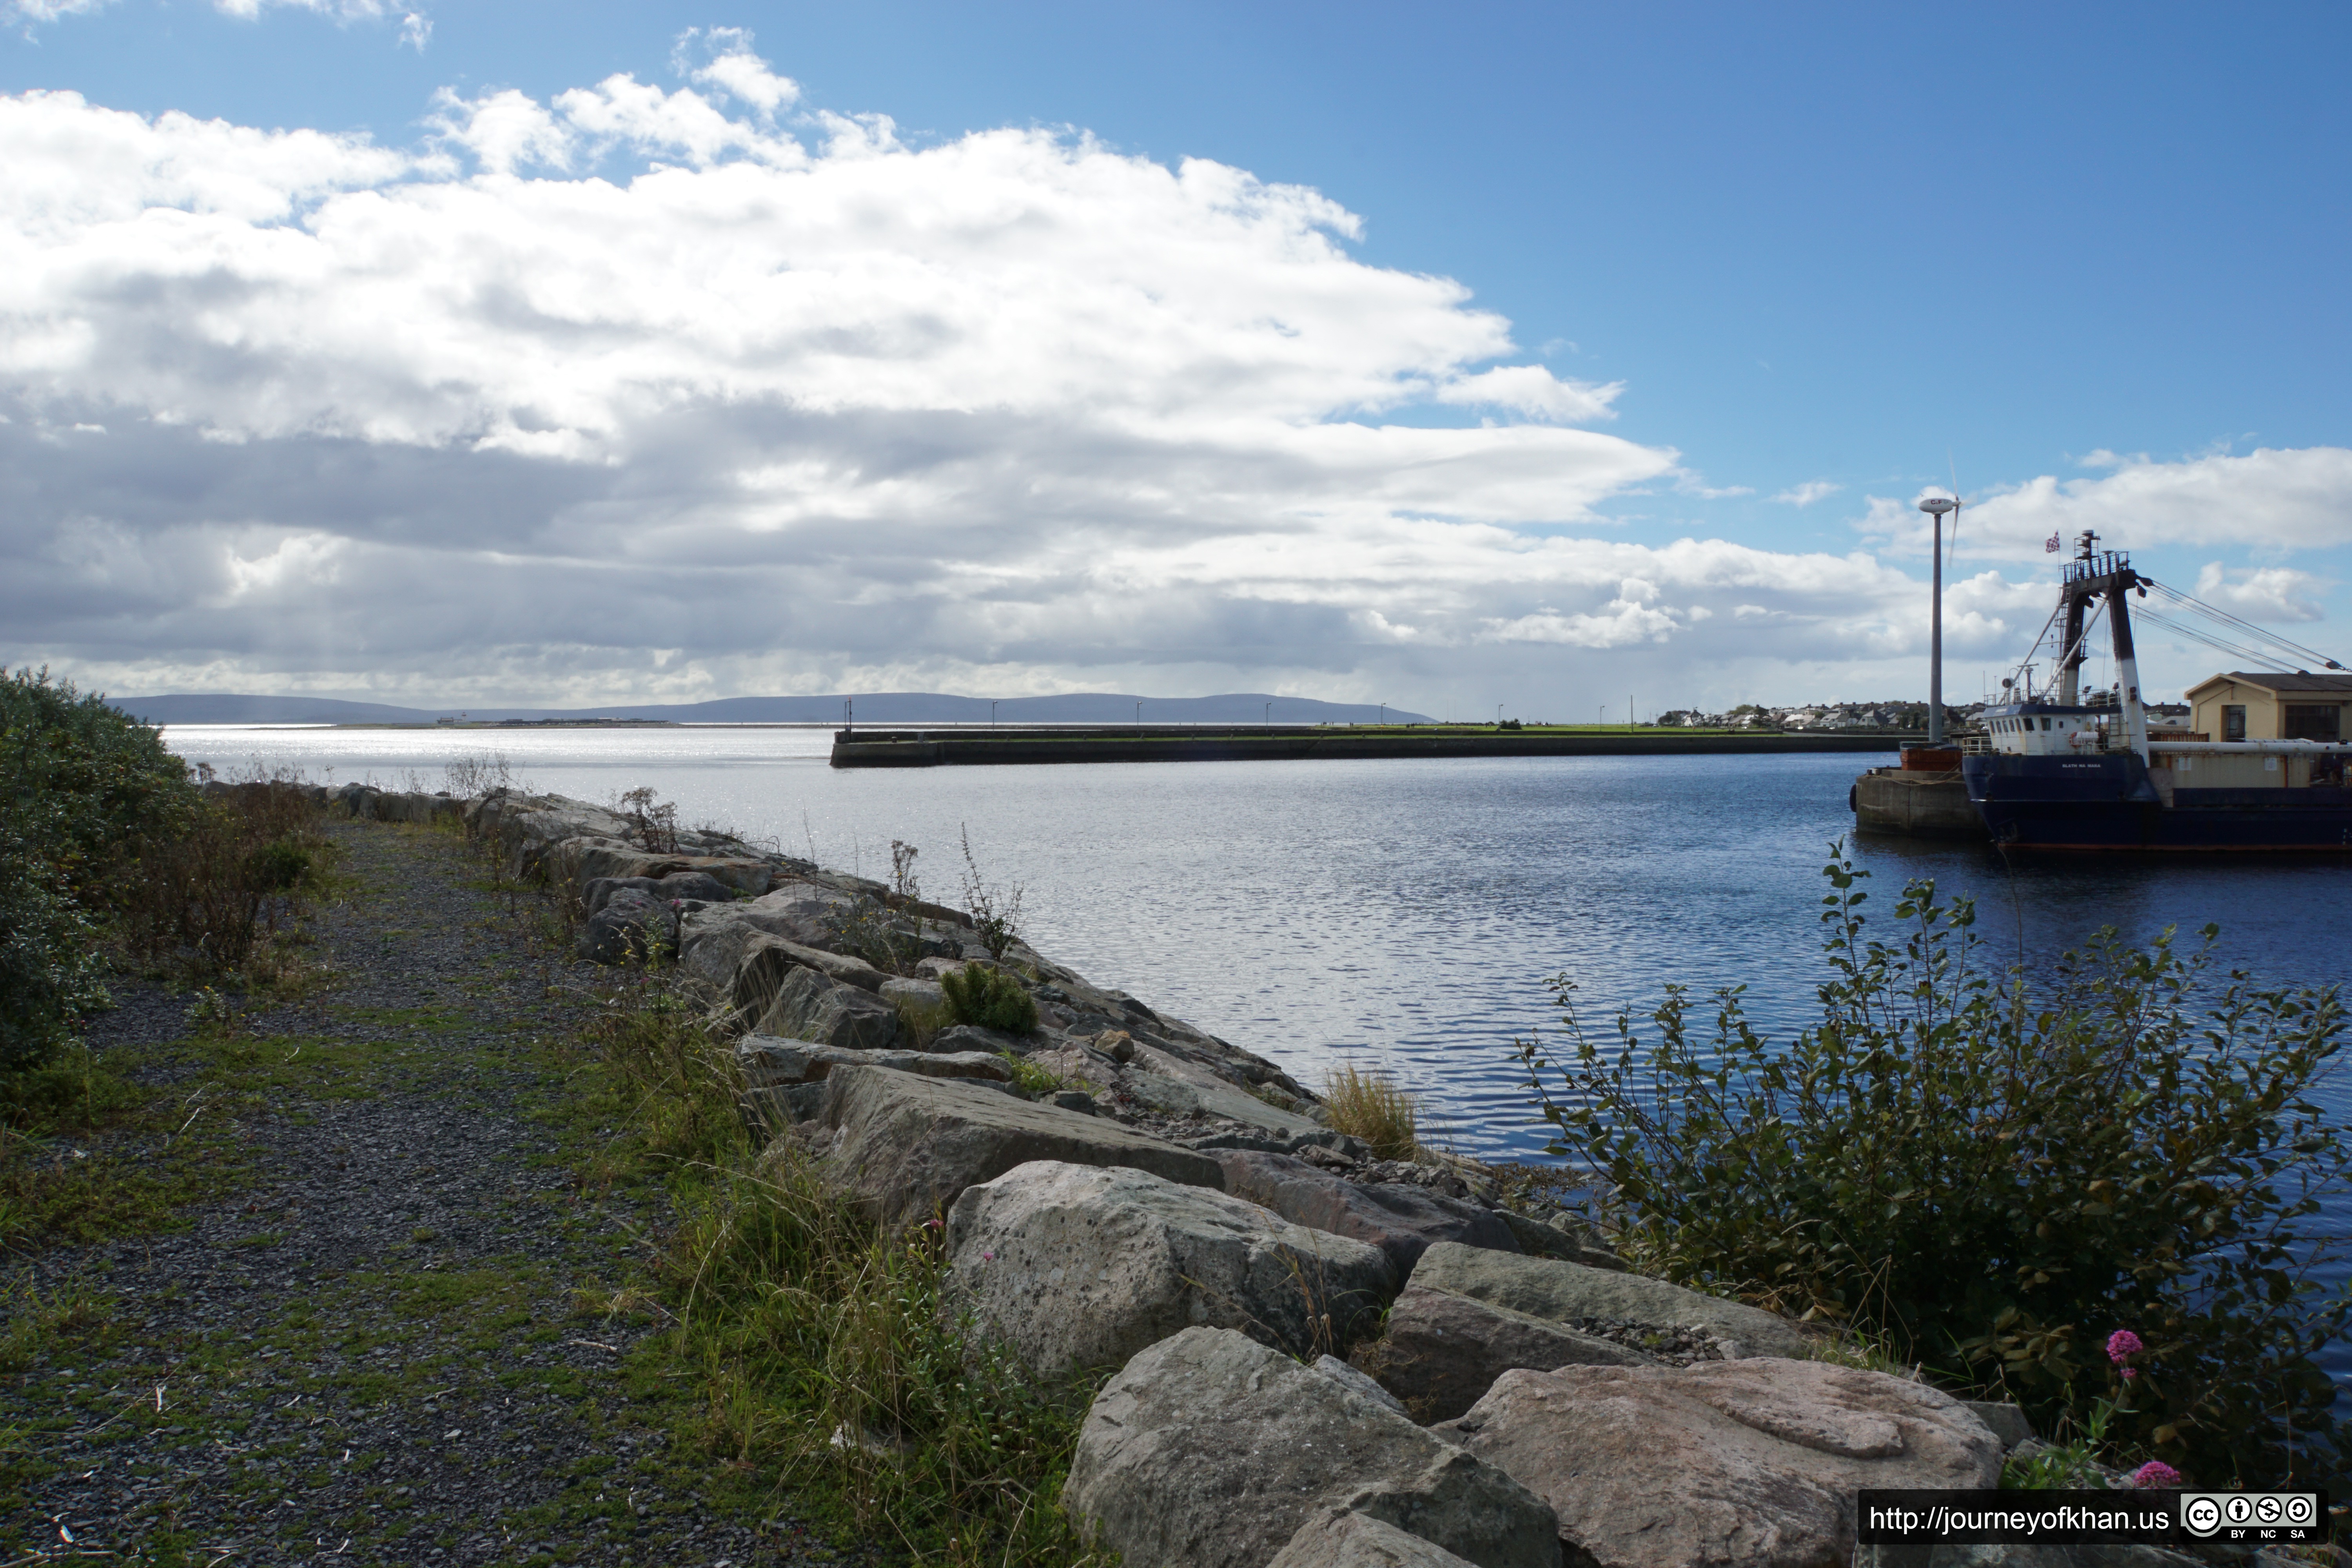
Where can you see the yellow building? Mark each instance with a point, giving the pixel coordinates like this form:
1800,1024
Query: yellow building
2267,707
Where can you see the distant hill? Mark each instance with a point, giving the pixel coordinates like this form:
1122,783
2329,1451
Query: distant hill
870,708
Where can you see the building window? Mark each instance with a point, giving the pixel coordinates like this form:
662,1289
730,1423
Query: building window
2233,720
2313,721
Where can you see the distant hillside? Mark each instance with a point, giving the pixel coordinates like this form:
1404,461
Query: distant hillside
870,708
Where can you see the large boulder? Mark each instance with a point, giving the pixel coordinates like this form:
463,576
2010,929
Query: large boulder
767,961
1210,1450
765,1059
1082,1266
713,941
1339,1538
584,860
904,1147
1224,1102
1399,1218
526,828
1751,1463
1566,1292
1442,1352
676,887
631,927
812,1007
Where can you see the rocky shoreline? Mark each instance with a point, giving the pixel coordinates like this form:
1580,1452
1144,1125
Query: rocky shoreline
1324,1358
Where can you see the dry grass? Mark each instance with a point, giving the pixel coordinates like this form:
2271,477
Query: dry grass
1371,1107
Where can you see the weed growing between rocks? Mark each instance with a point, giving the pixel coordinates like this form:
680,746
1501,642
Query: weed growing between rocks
1371,1107
1990,1173
989,999
995,912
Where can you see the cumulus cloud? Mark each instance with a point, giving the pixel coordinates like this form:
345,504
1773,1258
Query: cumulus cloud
415,28
689,390
2274,498
1809,492
2262,593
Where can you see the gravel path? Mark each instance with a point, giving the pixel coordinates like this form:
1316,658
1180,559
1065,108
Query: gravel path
390,1342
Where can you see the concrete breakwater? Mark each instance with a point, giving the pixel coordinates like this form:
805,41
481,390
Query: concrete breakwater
1315,1355
912,748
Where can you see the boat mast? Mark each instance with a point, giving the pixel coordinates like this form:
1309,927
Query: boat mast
2121,579
2070,648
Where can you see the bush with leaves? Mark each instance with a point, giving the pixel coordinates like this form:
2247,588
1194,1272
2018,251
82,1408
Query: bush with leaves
82,787
989,999
204,898
1994,1172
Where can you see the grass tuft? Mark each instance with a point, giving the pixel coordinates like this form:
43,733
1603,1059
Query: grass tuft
1371,1107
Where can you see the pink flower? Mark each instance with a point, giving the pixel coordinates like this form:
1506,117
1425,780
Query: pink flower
2155,1473
2131,1372
2122,1342
987,1257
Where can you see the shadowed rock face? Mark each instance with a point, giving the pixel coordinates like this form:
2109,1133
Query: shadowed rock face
906,1146
810,1006
1442,1352
1079,1265
1563,1292
1401,1221
1754,1463
1339,1538
1210,1450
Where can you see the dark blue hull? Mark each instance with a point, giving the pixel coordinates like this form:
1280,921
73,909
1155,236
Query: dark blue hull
2107,803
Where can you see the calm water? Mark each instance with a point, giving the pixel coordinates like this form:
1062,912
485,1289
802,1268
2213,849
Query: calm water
1399,914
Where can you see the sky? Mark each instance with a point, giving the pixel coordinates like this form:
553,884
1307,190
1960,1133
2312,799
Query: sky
1545,355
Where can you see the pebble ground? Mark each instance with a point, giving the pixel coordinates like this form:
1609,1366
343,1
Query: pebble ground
392,1339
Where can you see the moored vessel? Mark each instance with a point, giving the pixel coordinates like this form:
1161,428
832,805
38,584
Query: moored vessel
2053,771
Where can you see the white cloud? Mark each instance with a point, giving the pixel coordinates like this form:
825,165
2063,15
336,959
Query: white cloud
417,30
1809,492
2262,593
685,392
2270,498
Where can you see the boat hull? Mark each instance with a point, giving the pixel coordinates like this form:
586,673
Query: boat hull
2108,803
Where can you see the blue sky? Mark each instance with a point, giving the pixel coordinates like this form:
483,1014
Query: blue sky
1810,246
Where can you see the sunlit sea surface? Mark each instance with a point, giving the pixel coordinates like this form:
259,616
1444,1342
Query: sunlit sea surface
1399,914
1395,913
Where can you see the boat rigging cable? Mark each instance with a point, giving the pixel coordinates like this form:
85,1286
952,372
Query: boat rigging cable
2259,646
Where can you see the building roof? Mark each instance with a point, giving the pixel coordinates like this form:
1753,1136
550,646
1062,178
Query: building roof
2272,680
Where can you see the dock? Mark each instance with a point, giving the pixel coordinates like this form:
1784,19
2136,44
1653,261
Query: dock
965,747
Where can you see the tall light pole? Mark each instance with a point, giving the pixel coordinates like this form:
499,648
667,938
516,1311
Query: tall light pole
1936,506
1269,713
991,714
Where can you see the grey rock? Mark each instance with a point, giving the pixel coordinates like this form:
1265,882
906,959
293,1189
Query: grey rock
767,961
1080,1265
1077,1099
809,1006
2008,1421
1210,1450
1400,1219
1541,1240
906,1146
1270,1142
1442,1352
771,1111
917,993
1330,1365
1176,1097
678,886
631,927
1340,1538
1563,1292
972,1037
1721,1464
764,1060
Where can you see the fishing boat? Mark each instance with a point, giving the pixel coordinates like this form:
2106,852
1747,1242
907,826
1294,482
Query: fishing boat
2057,768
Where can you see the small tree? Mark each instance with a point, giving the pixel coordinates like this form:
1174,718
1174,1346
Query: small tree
1995,1173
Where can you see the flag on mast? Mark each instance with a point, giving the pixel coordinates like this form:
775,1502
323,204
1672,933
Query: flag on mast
2050,545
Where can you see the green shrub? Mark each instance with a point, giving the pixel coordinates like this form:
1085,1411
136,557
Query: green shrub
200,902
82,787
1991,1175
989,999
